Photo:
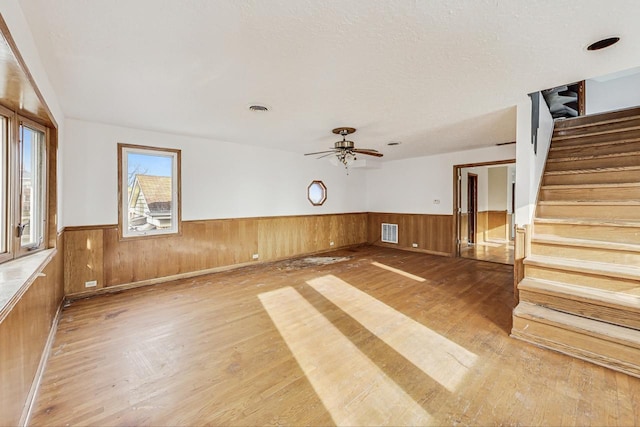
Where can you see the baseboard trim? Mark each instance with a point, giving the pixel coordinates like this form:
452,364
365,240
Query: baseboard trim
402,248
35,385
188,275
156,281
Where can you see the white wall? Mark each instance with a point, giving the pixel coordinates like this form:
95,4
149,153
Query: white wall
609,94
498,195
21,34
219,179
529,165
412,185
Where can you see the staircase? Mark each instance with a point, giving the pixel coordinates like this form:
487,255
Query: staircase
581,290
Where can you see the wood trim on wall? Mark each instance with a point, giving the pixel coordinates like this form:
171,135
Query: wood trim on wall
49,120
475,222
491,163
204,245
88,227
97,253
52,187
582,98
24,334
455,224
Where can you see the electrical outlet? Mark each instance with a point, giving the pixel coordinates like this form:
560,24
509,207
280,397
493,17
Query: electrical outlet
91,284
255,256
331,243
415,245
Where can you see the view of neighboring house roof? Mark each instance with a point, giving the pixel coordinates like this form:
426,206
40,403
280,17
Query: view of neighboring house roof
156,191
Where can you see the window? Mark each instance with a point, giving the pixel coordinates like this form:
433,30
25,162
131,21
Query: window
149,191
32,202
4,188
23,185
317,193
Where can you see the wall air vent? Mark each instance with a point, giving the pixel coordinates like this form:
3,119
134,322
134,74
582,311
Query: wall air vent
389,233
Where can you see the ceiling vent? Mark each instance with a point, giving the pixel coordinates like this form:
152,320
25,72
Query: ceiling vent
604,43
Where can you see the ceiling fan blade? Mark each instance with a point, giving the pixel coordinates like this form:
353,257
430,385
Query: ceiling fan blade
325,155
368,153
320,152
367,149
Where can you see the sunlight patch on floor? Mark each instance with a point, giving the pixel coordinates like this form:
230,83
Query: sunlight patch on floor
352,388
490,244
403,273
441,359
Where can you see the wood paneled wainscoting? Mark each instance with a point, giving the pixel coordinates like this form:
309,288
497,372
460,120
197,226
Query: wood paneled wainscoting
521,249
25,328
498,225
490,225
97,253
433,234
482,226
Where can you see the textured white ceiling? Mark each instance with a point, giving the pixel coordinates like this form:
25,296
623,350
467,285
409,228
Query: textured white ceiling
437,75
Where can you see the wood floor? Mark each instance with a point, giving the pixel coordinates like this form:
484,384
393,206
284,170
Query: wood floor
492,250
382,337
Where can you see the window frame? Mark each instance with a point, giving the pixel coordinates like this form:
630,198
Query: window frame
123,196
322,188
19,249
11,191
6,187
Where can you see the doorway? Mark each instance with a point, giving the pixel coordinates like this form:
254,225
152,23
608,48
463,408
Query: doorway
484,211
472,207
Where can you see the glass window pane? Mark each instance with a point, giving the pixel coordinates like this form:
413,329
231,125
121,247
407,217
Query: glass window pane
151,192
32,187
4,189
317,193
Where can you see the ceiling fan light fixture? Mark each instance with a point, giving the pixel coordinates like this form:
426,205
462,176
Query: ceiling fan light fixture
344,145
345,151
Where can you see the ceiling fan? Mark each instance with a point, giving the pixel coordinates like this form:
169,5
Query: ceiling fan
345,150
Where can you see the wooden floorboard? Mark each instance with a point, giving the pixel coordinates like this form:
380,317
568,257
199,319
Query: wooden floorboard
295,342
492,251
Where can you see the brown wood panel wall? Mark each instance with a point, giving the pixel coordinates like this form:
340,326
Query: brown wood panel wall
464,227
83,258
482,226
203,245
23,335
497,225
519,254
432,233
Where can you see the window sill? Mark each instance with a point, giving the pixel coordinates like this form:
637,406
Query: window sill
17,275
